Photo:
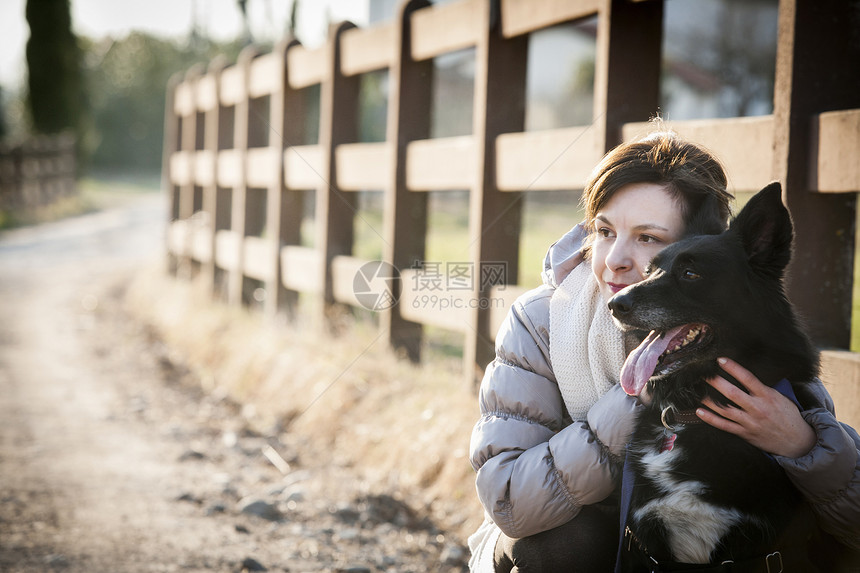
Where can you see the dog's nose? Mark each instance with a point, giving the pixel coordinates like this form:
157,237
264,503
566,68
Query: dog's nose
620,304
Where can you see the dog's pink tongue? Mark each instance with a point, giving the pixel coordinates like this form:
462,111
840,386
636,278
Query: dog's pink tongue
640,364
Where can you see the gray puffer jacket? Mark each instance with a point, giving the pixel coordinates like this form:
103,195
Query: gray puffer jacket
536,467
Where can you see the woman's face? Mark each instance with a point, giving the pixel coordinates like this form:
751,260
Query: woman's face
637,222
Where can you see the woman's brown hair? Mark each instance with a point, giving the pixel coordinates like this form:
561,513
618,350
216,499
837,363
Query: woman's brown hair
688,172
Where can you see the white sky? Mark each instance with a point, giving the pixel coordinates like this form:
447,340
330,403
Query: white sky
219,19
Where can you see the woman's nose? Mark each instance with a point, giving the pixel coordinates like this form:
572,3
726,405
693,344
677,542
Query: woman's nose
619,257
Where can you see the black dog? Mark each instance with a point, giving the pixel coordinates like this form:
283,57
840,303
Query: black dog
701,495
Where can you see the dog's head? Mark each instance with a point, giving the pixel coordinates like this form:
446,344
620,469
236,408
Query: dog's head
709,296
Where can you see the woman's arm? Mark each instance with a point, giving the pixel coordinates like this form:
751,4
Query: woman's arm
535,473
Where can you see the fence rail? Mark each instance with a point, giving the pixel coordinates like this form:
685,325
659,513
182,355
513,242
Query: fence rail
236,154
37,171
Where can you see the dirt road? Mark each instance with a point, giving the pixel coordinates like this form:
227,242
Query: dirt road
111,460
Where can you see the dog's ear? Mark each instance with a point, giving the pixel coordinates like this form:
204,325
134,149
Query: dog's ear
765,229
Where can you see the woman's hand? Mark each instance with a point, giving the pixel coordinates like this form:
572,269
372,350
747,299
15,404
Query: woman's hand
764,417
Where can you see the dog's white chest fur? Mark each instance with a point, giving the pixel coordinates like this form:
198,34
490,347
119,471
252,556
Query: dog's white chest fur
694,526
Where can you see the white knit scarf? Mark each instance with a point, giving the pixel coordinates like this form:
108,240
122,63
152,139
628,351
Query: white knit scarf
586,349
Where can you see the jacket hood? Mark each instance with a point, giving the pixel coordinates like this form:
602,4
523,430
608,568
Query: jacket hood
563,256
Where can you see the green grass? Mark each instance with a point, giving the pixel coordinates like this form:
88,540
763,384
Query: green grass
68,206
544,221
107,192
368,234
92,194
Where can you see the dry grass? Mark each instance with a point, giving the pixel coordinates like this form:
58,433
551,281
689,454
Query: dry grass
400,427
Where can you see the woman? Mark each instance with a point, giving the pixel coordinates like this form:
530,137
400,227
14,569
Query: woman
554,422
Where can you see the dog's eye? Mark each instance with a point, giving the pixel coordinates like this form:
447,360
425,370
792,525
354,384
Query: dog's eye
691,275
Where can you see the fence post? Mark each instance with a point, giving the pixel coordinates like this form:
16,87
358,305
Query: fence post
404,212
816,71
494,216
188,145
291,201
172,132
222,214
335,209
275,193
627,74
241,128
211,127
283,220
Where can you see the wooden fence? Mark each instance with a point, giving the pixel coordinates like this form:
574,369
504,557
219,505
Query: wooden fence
37,171
235,176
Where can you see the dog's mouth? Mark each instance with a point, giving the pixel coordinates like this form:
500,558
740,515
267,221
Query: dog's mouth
662,352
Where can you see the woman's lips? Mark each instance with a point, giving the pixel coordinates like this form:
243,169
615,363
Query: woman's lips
615,287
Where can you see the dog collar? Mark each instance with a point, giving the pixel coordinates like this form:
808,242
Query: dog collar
672,417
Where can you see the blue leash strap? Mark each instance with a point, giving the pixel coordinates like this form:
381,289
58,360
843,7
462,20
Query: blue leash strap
784,388
626,494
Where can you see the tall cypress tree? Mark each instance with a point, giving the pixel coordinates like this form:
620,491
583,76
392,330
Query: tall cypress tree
3,128
53,62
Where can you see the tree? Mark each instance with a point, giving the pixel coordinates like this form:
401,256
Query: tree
55,97
731,53
127,80
3,128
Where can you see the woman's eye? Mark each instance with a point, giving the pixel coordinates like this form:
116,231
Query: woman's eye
604,232
649,239
691,275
